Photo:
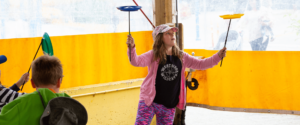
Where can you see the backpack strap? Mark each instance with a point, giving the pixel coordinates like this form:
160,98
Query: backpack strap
41,98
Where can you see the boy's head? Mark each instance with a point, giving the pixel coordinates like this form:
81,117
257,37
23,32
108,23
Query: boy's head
46,70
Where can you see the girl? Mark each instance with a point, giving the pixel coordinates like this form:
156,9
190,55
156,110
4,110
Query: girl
164,87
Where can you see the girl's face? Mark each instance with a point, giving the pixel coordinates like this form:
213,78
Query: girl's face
169,38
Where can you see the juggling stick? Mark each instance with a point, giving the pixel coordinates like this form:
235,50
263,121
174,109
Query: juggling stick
47,49
234,16
144,14
128,9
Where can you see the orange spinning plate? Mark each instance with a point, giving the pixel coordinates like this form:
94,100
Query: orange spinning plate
232,16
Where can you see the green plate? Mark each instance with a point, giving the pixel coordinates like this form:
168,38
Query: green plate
47,45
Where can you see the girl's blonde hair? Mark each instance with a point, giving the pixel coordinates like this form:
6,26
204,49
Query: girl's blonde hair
159,50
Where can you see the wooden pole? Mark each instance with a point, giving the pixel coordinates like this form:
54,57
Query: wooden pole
163,12
180,34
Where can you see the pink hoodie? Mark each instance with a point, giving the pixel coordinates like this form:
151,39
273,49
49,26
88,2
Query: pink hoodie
148,86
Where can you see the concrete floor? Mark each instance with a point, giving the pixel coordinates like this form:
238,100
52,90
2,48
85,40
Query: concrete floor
202,116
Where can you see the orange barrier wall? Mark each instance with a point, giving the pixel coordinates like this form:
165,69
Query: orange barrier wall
87,59
250,80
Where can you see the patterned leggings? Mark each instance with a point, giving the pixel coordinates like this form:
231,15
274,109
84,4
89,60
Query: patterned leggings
164,116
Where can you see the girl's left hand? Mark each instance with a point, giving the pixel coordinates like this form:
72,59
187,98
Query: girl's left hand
222,53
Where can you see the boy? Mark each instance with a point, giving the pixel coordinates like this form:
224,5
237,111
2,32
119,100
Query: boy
47,76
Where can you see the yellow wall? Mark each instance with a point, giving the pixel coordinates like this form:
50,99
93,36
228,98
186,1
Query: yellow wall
87,59
250,79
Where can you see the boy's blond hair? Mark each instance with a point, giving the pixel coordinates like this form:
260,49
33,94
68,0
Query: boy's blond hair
46,70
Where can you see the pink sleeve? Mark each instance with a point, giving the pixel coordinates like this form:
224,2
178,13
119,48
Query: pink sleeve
202,64
141,60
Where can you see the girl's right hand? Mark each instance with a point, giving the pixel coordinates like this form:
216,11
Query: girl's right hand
130,41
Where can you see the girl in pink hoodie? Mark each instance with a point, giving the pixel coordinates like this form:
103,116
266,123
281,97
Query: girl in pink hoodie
164,87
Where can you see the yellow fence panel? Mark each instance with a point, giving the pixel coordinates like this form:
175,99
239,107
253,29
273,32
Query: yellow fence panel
254,81
87,59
